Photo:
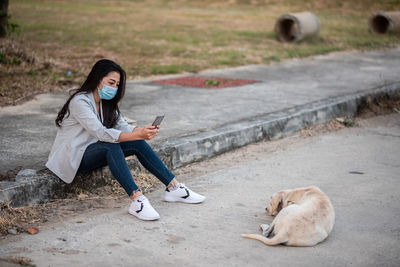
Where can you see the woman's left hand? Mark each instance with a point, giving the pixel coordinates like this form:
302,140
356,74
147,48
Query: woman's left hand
146,133
149,132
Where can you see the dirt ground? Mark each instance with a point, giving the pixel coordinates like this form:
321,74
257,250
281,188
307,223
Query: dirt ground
26,73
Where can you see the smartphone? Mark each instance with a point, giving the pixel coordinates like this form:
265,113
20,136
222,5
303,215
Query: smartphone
158,120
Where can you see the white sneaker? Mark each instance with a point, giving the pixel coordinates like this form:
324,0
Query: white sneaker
141,208
183,194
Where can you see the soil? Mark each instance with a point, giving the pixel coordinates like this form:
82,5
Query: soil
10,174
25,73
18,220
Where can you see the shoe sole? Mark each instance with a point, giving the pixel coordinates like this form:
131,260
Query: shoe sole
183,200
142,218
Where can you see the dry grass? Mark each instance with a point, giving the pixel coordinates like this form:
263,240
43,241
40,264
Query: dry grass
332,125
22,261
380,105
26,71
146,181
10,175
160,37
17,220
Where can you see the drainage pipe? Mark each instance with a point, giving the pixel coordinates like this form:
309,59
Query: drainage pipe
294,27
384,22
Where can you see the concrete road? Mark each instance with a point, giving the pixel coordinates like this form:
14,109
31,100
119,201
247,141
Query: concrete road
358,168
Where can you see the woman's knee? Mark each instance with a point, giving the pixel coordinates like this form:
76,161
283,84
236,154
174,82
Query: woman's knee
112,147
137,144
133,147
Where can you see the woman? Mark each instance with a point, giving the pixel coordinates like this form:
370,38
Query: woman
92,134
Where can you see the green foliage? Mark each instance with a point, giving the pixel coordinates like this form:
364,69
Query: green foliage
230,57
11,25
32,72
212,82
4,59
172,69
165,69
303,51
269,59
168,37
349,122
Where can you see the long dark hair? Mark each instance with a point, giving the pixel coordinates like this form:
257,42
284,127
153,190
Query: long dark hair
110,107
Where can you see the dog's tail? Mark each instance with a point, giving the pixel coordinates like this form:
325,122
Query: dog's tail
276,240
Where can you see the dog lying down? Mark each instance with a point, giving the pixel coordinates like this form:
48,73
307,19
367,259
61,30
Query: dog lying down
304,217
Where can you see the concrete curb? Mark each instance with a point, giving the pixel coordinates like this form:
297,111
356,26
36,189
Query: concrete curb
38,188
184,150
177,152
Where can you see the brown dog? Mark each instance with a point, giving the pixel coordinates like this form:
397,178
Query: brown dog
304,217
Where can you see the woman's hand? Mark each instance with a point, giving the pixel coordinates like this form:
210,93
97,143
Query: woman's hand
148,132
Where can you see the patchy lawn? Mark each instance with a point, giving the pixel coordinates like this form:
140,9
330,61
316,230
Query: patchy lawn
58,41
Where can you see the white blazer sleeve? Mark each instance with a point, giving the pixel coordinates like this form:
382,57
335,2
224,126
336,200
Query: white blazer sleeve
82,111
123,126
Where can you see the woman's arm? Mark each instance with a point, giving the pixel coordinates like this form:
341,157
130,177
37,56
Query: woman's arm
146,133
82,110
122,125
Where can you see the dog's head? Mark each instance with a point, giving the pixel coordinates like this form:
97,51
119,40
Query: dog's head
276,203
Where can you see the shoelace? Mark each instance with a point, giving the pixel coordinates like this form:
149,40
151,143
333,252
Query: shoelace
141,198
179,185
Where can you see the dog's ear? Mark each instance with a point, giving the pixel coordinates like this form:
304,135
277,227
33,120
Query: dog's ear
278,209
280,199
275,204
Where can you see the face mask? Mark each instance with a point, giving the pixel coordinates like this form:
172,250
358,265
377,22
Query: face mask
107,92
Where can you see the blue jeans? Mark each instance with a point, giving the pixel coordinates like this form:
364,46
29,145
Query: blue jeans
101,154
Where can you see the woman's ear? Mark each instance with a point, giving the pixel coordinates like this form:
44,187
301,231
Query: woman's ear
100,85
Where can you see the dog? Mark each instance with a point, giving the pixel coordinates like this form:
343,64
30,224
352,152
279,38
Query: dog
304,217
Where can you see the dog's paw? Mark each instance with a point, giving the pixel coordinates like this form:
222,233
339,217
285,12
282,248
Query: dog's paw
264,227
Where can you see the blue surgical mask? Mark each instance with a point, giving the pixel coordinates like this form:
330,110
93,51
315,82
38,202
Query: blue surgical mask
107,92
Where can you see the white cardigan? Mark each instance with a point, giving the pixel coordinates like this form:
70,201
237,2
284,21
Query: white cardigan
82,128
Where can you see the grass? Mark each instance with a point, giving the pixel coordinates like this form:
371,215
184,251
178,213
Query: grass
162,37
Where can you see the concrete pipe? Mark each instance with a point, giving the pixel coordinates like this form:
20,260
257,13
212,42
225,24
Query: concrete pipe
384,22
294,27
